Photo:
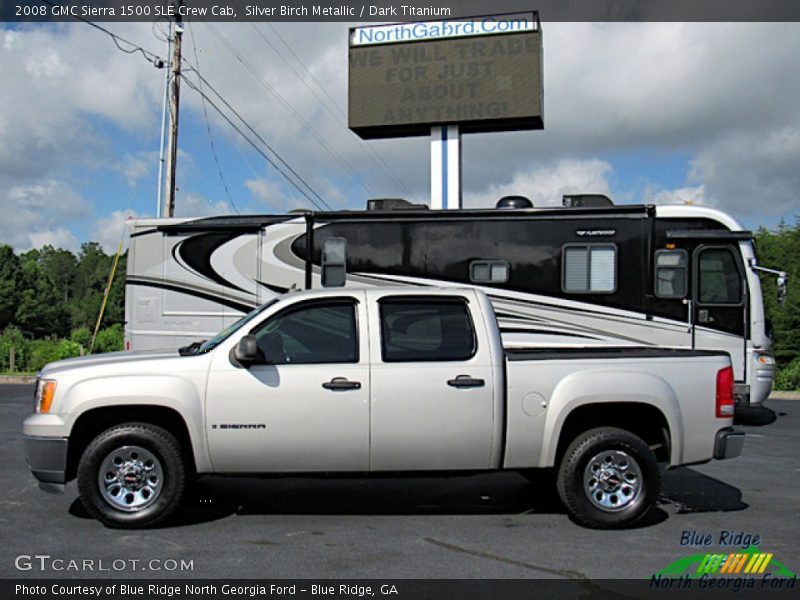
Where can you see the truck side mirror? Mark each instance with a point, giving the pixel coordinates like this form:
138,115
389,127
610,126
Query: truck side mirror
246,351
783,284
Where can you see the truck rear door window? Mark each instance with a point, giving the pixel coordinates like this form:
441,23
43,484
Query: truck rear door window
415,330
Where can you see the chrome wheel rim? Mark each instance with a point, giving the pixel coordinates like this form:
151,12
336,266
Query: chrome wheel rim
130,478
612,480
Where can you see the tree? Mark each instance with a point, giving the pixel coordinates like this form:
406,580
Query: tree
9,274
781,250
40,309
58,266
91,275
115,310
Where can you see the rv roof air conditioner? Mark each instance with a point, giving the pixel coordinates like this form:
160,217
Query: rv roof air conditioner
586,201
393,204
514,202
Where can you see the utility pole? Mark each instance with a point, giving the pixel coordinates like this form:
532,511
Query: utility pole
162,138
174,107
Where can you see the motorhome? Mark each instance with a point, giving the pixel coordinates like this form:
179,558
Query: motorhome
587,273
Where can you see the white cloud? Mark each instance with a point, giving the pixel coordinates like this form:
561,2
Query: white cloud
683,195
547,184
109,230
57,238
64,88
753,175
197,205
710,91
55,80
35,214
610,88
724,95
135,168
275,196
10,39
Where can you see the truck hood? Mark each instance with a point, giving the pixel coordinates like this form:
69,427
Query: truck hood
105,359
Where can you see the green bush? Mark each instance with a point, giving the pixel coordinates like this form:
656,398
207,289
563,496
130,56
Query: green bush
110,339
12,337
42,352
82,336
68,349
788,377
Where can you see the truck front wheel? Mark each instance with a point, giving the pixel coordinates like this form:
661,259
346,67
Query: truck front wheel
132,475
608,478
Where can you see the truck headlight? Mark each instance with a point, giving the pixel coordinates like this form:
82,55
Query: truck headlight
45,390
765,359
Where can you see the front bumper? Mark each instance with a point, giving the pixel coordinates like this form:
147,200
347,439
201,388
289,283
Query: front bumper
728,444
47,460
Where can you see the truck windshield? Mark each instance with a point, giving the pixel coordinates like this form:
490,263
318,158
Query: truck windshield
230,330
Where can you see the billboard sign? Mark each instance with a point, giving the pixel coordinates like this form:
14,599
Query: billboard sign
482,73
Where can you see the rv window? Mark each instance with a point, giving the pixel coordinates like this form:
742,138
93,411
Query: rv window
426,330
719,281
589,268
334,262
311,333
671,273
488,271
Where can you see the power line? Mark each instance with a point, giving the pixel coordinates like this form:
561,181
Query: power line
302,64
340,117
256,134
208,129
160,63
134,48
321,205
338,157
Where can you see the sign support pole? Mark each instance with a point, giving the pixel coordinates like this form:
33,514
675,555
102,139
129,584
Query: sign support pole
445,167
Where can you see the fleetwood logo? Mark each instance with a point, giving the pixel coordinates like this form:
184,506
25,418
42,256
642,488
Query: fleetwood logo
595,232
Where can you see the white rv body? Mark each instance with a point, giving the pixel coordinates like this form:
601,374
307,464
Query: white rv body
190,278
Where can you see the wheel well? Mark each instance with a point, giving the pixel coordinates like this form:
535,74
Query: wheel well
643,420
93,422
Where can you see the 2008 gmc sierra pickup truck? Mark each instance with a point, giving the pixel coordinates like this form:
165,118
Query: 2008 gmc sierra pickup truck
377,381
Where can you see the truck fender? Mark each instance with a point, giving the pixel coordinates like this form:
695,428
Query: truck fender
599,386
165,391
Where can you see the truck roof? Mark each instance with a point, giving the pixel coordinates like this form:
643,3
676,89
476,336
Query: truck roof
388,290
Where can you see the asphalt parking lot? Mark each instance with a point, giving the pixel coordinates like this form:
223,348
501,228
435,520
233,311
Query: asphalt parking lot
487,526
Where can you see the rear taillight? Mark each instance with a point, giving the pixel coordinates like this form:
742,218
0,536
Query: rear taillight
725,399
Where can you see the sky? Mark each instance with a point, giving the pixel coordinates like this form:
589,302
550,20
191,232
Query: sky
642,112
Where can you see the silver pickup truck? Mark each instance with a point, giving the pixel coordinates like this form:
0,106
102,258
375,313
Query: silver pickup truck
377,381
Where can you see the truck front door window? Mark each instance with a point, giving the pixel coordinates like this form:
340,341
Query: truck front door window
314,333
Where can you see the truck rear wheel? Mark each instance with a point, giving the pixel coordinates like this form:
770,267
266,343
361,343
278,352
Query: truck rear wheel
132,475
608,478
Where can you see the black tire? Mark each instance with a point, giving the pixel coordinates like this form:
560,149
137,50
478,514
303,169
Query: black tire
617,497
153,495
